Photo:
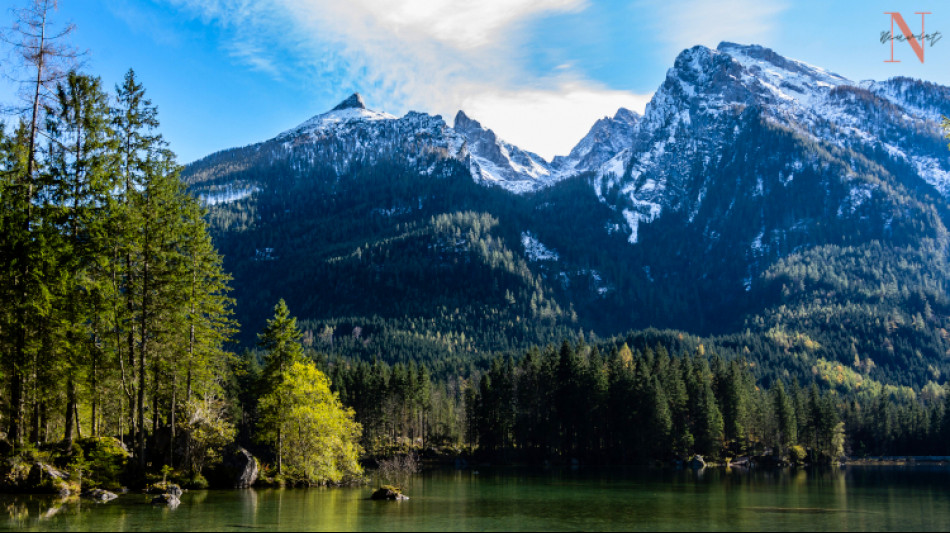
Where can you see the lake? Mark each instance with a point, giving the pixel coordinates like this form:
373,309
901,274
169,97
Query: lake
854,498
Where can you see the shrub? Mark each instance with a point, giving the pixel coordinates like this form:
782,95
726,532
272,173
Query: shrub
107,460
797,454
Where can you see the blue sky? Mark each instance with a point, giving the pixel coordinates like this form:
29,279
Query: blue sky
232,72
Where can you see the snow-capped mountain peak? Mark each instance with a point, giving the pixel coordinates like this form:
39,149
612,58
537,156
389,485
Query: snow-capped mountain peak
350,110
606,138
701,108
496,162
354,101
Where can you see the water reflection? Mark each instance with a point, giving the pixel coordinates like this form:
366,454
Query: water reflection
860,498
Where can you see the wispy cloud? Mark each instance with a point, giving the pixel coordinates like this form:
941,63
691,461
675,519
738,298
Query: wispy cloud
251,53
681,24
435,56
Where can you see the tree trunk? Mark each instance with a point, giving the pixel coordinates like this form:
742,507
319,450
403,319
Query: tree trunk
140,401
16,404
78,422
69,433
95,398
171,417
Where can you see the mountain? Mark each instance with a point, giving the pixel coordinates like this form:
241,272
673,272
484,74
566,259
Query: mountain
799,217
710,96
496,162
607,138
351,135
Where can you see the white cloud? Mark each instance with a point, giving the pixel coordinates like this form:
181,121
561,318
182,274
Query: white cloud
461,24
435,56
537,119
682,24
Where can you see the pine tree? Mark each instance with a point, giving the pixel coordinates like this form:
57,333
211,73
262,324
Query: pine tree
707,418
786,421
281,342
44,54
734,407
79,186
659,424
209,323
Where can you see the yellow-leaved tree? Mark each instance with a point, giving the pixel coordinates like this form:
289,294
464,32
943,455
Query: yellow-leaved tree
320,436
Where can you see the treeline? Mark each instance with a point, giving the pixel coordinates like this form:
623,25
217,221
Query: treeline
627,407
402,405
605,403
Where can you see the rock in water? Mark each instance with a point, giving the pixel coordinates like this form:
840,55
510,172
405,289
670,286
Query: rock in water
697,462
165,488
166,499
242,468
99,495
388,492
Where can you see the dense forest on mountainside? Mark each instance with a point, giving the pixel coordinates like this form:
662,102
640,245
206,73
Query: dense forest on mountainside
435,268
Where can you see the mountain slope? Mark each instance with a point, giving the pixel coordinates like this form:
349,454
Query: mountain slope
756,194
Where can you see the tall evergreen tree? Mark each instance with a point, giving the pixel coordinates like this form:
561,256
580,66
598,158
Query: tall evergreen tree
77,194
42,49
281,342
785,419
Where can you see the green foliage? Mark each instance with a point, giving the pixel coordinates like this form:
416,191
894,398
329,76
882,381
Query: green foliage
319,436
209,430
107,461
115,299
281,342
196,482
797,454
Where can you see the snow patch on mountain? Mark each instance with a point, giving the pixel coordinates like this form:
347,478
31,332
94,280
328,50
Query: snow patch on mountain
535,250
226,195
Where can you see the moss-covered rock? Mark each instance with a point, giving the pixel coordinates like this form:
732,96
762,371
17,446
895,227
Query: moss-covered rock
241,468
14,472
169,500
165,487
388,492
99,495
107,459
44,479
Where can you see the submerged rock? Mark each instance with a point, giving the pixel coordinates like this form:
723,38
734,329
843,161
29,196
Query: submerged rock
388,492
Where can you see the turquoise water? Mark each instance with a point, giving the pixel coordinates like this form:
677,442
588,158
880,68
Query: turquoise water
848,499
